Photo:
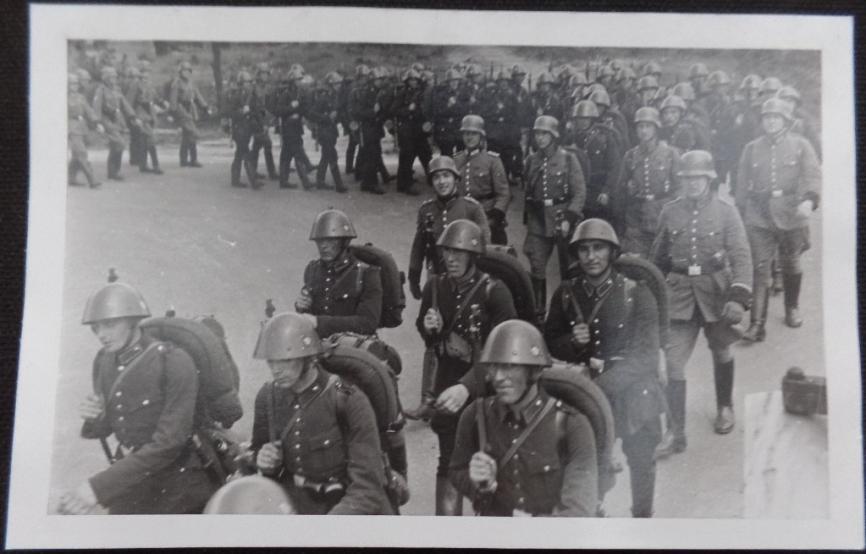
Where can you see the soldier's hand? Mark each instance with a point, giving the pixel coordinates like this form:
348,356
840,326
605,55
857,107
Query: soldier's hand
91,407
376,107
603,199
100,128
432,321
482,471
295,103
412,107
733,312
246,109
452,399
805,208
304,301
580,334
270,457
451,100
426,126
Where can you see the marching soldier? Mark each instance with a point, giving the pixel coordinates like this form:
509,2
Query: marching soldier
502,116
729,127
144,102
80,118
340,292
325,114
314,433
549,436
242,109
435,214
647,89
603,150
778,189
544,100
801,122
350,126
457,312
695,112
409,118
555,189
524,114
698,74
610,116
128,83
483,177
702,247
185,101
677,130
364,107
449,103
113,110
262,138
610,324
87,86
144,393
290,105
648,182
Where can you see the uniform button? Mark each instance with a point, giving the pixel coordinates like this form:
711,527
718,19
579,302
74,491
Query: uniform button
297,446
120,406
516,456
520,500
513,441
121,367
297,458
296,406
120,418
327,442
598,342
298,420
297,433
546,468
118,393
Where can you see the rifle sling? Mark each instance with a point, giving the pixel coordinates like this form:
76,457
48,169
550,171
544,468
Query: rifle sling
465,304
530,427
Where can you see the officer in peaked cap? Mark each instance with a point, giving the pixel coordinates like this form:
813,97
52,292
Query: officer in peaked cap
144,393
313,433
554,468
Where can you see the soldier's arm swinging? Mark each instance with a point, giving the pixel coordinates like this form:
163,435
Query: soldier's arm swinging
579,493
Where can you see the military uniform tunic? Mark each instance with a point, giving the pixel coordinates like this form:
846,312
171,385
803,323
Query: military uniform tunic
79,119
553,473
437,213
185,101
112,108
332,458
150,391
347,295
605,156
483,178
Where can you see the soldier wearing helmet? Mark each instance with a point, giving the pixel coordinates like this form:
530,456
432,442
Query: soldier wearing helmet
324,114
647,89
698,74
144,393
653,69
501,115
185,101
483,176
626,97
458,310
128,82
730,127
605,77
409,118
314,433
555,191
450,103
802,123
291,104
242,110
769,88
544,99
143,99
340,292
610,116
648,181
351,127
80,119
367,106
610,324
702,247
778,188
749,86
561,440
604,153
115,114
264,91
678,130
523,114
86,85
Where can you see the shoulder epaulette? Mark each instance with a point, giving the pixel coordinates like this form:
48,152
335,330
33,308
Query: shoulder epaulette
565,408
492,153
428,201
674,201
472,200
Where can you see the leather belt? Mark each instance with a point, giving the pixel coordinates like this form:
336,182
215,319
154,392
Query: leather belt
321,488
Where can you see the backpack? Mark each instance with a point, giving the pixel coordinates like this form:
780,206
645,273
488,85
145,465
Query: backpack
501,263
393,280
372,344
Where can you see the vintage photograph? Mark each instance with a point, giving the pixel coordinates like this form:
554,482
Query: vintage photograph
306,275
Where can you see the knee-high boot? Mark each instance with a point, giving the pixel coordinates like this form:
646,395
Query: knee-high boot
792,282
756,331
674,440
449,502
539,287
724,377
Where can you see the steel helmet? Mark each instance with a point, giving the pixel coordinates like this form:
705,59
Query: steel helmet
585,108
544,77
503,76
607,71
244,77
652,68
72,78
297,67
184,66
547,123
112,301
718,78
462,234
697,163
600,97
472,123
517,69
378,73
333,78
789,93
473,70
263,67
516,342
332,224
698,70
287,336
419,67
252,494
411,73
684,90
428,76
751,82
296,73
453,75
673,101
442,163
647,82
771,85
777,106
578,79
594,229
625,73
647,114
362,70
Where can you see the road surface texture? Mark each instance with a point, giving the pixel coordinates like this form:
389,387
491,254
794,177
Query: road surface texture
188,240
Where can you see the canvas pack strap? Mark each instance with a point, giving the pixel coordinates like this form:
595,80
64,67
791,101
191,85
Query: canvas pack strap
526,432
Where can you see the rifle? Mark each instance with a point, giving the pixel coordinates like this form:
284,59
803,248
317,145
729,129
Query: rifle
431,254
482,502
561,236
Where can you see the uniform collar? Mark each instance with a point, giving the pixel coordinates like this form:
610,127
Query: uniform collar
474,152
550,150
343,261
466,282
446,201
525,409
780,136
701,202
649,147
593,291
132,351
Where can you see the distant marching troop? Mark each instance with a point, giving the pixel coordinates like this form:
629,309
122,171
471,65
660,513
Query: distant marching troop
620,177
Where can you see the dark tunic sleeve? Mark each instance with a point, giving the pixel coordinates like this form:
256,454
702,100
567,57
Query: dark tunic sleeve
365,320
579,496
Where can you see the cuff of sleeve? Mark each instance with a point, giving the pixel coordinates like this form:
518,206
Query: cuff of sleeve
814,197
740,293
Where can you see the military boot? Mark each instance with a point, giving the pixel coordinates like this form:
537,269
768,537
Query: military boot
155,158
251,175
674,439
756,331
321,171
338,180
449,502
539,287
71,172
193,155
778,284
793,282
724,378
184,153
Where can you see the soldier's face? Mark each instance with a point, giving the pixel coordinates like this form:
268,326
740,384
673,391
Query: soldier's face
471,140
454,84
594,257
772,123
286,372
509,381
543,139
330,249
456,261
115,333
73,86
647,95
582,123
645,131
671,116
694,186
444,183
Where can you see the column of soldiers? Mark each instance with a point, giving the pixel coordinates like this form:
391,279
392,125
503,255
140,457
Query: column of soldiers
615,166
